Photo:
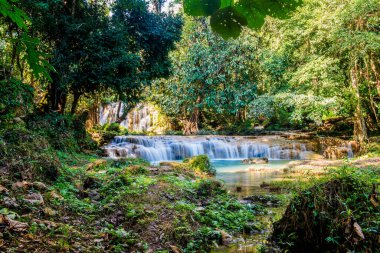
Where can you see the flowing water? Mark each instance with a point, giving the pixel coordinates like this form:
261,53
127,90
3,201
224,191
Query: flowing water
226,154
140,119
168,148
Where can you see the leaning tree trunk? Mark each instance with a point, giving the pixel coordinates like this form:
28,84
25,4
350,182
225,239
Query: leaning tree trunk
360,129
124,115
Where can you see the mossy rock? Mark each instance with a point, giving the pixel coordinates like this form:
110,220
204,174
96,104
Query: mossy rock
200,163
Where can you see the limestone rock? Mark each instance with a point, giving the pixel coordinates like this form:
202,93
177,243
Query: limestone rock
21,185
263,160
34,198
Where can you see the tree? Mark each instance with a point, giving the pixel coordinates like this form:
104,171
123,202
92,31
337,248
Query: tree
212,78
94,51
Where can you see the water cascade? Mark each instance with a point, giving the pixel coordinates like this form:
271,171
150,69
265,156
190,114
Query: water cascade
142,118
166,148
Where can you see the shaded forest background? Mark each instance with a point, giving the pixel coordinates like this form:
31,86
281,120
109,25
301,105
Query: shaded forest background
321,65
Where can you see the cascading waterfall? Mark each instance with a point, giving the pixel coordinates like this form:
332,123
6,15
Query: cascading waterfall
140,119
166,148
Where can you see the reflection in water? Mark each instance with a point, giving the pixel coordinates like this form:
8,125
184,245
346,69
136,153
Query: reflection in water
248,177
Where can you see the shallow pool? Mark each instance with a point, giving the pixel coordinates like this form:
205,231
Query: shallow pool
245,179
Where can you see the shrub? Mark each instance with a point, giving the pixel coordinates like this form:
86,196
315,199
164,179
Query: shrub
26,155
331,216
200,163
16,98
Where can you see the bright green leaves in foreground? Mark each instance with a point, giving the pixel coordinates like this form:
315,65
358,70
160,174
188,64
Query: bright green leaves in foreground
228,16
15,14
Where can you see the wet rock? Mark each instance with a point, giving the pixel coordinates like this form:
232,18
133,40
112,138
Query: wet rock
312,156
34,198
10,202
267,200
336,152
263,160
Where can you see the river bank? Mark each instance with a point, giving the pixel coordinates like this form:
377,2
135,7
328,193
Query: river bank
99,205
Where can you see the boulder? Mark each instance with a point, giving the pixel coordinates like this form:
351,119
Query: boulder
34,198
262,160
309,155
21,185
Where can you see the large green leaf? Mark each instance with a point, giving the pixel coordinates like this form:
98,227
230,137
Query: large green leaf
228,16
15,14
254,17
227,22
201,7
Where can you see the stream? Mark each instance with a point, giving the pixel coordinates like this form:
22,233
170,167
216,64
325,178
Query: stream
226,154
248,177
245,180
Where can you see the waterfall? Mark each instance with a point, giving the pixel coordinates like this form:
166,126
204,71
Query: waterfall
142,118
166,148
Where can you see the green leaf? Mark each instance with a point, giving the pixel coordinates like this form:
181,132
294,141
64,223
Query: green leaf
201,7
227,22
15,14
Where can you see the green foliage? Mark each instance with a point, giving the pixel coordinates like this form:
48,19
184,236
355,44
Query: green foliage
297,109
328,210
16,99
211,83
227,214
200,163
26,155
228,17
15,14
65,133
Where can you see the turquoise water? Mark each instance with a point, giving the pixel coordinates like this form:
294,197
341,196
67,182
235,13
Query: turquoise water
245,179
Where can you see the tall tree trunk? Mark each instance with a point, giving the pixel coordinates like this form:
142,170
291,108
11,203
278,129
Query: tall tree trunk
74,105
191,126
360,129
57,97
